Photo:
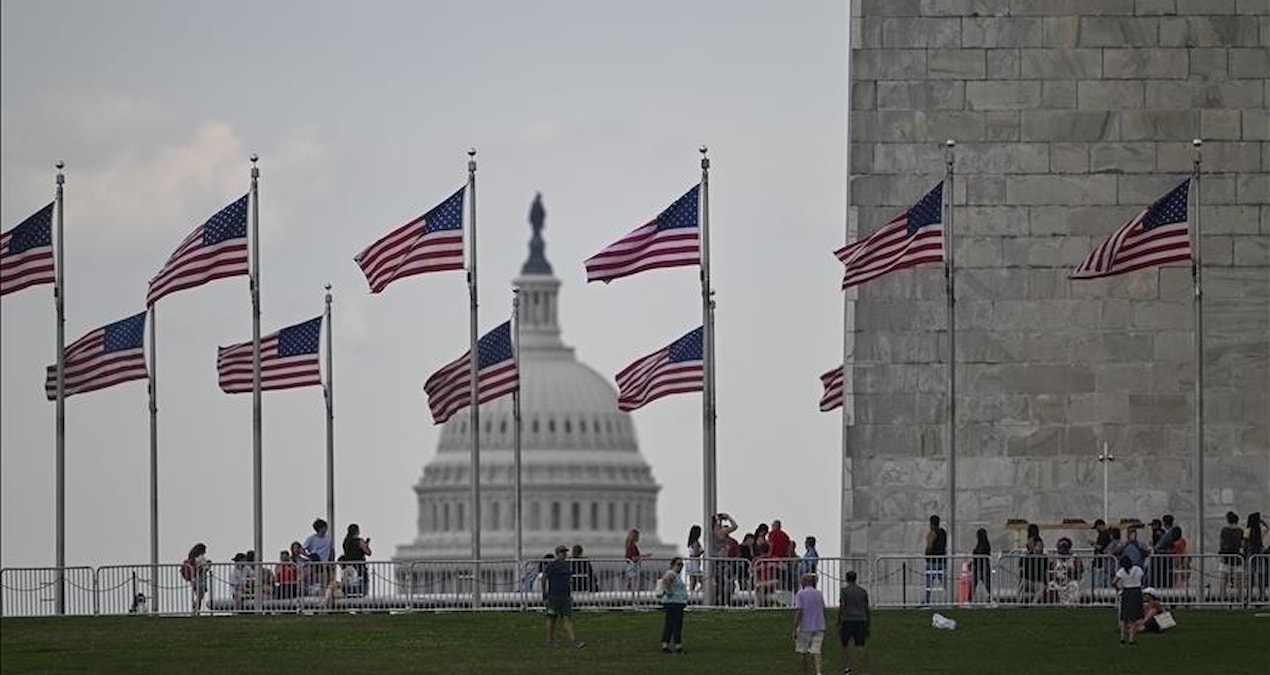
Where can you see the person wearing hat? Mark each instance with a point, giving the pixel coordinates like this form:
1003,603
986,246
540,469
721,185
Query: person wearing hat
1152,608
557,595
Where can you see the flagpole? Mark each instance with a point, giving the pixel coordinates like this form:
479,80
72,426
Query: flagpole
154,462
708,460
950,276
257,496
474,367
516,431
329,394
1198,295
59,301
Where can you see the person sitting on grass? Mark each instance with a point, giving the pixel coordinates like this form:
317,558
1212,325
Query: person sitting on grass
1151,609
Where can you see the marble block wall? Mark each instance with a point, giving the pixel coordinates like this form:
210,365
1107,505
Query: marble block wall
1070,117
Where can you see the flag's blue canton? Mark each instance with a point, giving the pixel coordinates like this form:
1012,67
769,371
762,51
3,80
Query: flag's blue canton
683,213
448,215
927,211
124,334
302,338
1171,208
687,348
228,223
494,346
35,231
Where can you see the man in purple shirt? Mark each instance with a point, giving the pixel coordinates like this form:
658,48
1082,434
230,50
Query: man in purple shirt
809,623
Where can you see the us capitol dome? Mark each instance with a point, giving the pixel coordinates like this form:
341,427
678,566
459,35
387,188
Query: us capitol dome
583,478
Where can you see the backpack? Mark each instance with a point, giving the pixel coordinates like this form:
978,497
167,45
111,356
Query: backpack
187,569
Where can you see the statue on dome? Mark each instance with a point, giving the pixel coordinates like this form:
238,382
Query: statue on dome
537,262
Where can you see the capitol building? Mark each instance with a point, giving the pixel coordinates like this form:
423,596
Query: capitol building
584,480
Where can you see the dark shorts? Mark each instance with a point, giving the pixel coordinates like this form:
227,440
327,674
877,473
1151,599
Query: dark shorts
559,605
853,630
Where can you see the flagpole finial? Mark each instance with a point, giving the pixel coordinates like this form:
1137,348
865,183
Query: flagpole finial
705,160
254,158
1197,142
60,165
61,178
328,288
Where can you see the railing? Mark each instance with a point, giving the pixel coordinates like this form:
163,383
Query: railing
892,581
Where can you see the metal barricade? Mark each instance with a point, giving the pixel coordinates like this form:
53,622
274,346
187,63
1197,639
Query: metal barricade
142,589
32,591
610,583
910,581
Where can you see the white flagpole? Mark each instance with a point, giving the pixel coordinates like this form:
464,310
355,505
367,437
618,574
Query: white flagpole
1197,269
709,466
256,463
474,367
516,439
328,393
154,461
59,301
950,276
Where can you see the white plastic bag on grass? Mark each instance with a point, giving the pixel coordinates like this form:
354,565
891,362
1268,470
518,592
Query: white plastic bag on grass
940,621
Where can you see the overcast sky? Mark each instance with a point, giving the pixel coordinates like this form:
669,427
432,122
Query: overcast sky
361,114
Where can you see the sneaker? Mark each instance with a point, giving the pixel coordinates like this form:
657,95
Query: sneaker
578,644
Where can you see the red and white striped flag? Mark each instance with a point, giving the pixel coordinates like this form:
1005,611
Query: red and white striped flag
678,368
832,398
672,239
1157,236
914,237
110,355
432,242
449,389
288,359
214,250
26,253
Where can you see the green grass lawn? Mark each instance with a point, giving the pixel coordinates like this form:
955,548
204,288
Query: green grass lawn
1009,641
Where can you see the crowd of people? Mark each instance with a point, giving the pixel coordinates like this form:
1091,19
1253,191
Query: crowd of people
765,561
302,569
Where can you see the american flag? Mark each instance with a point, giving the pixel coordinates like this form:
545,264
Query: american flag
672,239
914,237
214,250
288,359
103,358
449,389
1157,236
676,369
26,253
832,398
432,242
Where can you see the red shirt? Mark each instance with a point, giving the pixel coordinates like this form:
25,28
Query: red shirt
632,552
284,573
778,543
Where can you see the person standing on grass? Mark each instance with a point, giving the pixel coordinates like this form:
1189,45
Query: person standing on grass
1129,581
854,617
557,593
194,569
809,623
673,593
